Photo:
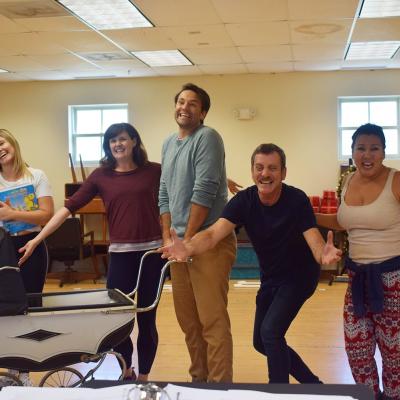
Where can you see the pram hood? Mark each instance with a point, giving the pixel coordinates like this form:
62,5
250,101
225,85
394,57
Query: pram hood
13,298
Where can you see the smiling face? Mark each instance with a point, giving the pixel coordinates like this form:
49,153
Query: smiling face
189,113
7,152
268,174
121,147
368,155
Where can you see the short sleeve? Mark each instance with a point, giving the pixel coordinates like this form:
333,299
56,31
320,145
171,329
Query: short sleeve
235,209
306,216
41,184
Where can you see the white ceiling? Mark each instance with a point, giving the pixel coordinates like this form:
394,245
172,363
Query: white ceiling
40,40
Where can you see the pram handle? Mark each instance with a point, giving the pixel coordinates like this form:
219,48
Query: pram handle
164,270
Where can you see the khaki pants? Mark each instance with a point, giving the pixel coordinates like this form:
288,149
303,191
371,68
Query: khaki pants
200,291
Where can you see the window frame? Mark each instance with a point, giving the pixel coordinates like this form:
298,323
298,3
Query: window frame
72,124
369,100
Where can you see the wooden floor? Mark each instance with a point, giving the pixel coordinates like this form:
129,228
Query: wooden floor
316,334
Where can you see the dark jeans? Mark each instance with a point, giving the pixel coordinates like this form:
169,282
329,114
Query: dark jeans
276,308
122,274
33,271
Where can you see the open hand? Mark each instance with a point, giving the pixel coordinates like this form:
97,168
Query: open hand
330,254
233,186
27,250
176,250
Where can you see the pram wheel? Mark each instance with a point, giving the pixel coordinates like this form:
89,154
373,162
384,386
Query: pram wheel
62,377
7,379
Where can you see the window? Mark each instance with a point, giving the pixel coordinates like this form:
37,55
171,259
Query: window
87,125
356,111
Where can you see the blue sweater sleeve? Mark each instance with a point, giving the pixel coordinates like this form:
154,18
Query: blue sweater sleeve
163,198
209,165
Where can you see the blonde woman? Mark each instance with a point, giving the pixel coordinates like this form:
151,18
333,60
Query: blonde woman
27,204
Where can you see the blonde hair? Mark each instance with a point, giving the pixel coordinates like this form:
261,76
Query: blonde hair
20,166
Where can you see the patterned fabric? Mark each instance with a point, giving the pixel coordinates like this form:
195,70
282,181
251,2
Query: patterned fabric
363,334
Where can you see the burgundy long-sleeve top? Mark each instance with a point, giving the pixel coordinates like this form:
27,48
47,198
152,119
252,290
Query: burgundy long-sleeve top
130,199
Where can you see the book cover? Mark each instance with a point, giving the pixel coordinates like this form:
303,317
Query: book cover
20,198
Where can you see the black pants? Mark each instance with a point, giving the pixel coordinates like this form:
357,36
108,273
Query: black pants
34,269
122,274
276,308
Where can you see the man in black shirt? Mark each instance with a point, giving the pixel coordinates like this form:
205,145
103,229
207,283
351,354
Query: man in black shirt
281,225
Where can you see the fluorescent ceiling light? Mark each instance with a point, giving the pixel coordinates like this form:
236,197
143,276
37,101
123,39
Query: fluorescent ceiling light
371,50
3,70
162,58
380,8
107,14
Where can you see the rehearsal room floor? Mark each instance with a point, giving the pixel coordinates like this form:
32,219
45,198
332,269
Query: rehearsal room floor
316,334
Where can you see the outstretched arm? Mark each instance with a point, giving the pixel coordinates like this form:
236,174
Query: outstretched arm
59,217
328,221
180,250
324,253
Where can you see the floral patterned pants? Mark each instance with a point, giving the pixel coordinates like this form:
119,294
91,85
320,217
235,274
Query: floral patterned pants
363,334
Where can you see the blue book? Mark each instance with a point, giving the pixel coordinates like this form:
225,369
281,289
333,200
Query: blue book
21,197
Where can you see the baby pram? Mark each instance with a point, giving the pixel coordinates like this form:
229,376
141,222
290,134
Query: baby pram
49,331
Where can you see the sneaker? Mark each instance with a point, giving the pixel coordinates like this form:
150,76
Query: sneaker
25,379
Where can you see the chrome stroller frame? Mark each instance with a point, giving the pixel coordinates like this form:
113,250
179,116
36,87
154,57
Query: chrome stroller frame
58,329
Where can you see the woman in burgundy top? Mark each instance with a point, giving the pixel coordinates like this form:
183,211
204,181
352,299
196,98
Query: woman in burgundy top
128,184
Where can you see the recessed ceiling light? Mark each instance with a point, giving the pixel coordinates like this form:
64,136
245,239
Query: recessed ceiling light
371,50
105,14
380,8
162,58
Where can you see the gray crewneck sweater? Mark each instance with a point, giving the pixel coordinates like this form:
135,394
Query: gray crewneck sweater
193,171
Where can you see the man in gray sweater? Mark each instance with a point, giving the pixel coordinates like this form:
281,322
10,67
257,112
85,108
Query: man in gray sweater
193,193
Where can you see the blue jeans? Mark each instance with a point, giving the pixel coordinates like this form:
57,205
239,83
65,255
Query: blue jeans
276,308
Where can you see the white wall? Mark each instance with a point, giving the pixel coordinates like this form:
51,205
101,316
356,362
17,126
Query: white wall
297,111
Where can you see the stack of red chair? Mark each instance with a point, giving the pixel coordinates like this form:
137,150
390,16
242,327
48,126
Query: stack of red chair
315,202
329,202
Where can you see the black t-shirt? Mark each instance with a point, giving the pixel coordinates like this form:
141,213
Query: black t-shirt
276,232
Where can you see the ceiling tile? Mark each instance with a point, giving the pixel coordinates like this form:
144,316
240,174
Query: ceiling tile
364,64
41,40
317,66
45,75
28,43
13,77
222,55
65,23
122,64
31,9
270,67
20,63
319,52
259,33
179,12
264,54
198,36
141,39
376,29
320,31
223,69
178,71
9,26
251,10
322,9
61,61
78,41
